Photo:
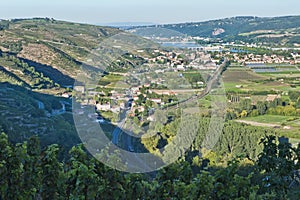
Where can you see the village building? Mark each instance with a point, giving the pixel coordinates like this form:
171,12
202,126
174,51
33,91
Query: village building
272,97
103,107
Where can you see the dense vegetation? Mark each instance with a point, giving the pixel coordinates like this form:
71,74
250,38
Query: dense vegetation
236,139
27,172
25,113
281,107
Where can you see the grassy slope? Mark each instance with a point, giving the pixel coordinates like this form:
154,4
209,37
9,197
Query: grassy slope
52,47
54,51
293,122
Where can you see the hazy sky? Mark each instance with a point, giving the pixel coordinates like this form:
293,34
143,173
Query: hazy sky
158,11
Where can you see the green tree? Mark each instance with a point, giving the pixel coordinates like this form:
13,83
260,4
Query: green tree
294,95
229,185
32,169
278,164
53,182
5,153
261,107
246,104
83,182
15,188
11,169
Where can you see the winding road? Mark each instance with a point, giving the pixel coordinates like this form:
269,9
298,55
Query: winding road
126,143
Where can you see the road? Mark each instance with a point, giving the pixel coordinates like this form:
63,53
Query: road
118,130
135,159
211,81
116,134
207,89
179,91
41,105
252,123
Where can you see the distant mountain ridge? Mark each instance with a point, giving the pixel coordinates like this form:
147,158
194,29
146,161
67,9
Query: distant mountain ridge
276,30
235,25
127,24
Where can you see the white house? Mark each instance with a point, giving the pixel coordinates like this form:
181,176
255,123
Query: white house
158,101
103,107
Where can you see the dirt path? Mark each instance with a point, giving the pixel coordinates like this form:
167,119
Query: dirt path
258,124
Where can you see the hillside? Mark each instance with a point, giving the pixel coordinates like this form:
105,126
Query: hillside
39,60
25,113
54,49
244,28
212,154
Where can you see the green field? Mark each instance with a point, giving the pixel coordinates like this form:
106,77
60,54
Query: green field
257,85
272,119
244,80
292,122
241,75
245,87
112,78
113,81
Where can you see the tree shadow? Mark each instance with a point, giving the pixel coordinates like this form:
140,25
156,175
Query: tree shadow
52,73
14,76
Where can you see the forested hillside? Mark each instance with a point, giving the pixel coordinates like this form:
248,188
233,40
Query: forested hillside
252,29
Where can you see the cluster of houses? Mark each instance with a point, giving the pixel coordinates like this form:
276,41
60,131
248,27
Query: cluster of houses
136,92
123,101
173,61
262,59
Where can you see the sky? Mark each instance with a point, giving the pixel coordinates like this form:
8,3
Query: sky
155,11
